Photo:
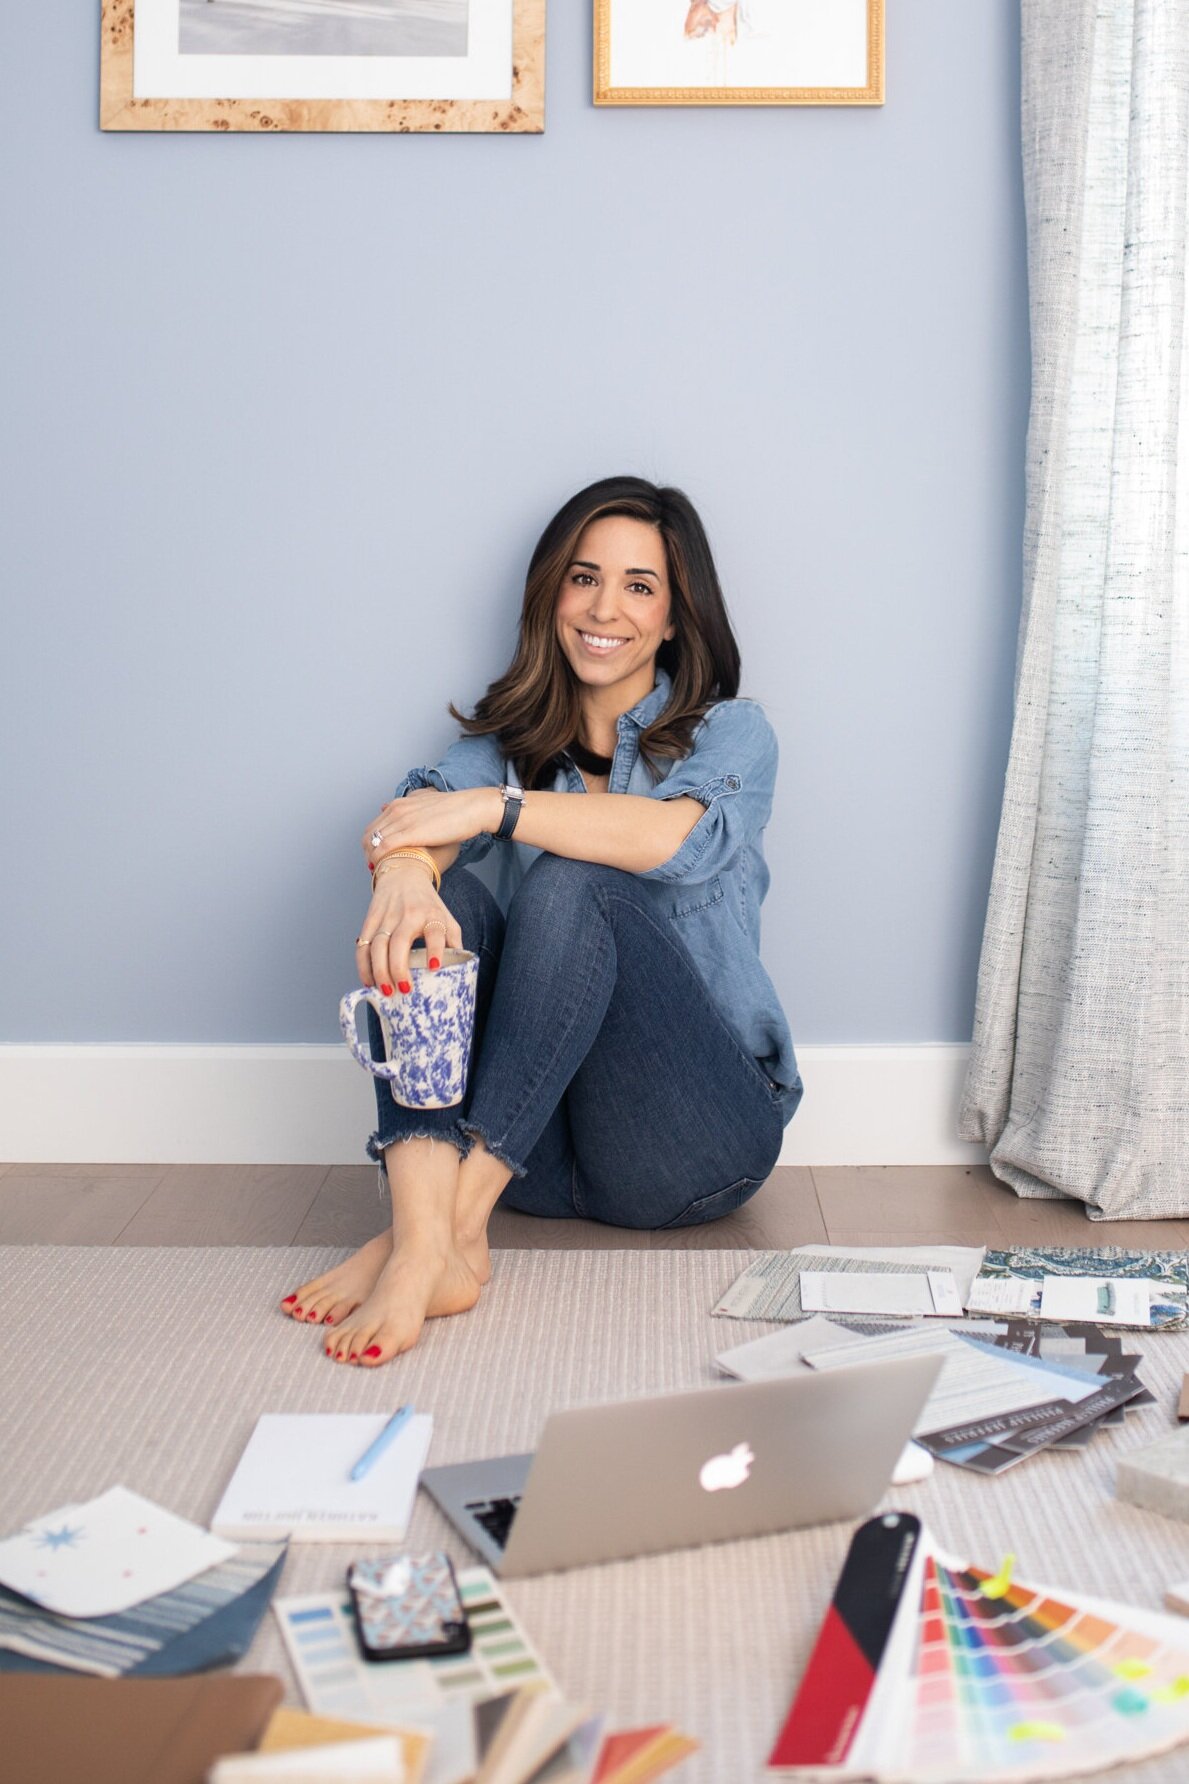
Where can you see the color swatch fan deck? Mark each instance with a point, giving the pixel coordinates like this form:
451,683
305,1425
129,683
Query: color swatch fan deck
929,1670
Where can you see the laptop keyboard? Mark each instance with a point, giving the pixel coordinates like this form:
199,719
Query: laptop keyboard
496,1516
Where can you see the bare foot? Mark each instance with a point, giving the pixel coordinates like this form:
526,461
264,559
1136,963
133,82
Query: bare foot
475,1252
417,1283
327,1300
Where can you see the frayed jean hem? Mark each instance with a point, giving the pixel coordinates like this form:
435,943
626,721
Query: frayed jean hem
376,1147
473,1131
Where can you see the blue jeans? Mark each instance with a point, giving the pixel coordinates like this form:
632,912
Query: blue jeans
603,1074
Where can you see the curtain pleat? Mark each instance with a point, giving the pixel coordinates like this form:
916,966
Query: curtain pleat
1079,1072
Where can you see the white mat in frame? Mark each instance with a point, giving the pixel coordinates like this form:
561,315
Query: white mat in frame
162,71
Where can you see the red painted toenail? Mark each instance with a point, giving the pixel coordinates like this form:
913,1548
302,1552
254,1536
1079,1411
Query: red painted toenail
297,1310
328,1321
353,1358
373,1350
288,1301
312,1314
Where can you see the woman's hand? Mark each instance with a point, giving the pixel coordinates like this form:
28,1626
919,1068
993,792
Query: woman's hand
404,906
426,818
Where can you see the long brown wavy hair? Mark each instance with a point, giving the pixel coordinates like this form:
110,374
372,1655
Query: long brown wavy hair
533,708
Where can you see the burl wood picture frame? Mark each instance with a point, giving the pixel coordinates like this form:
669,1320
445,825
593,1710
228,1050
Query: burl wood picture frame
738,52
501,81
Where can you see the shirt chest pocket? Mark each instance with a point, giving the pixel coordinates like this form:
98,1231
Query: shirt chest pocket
691,899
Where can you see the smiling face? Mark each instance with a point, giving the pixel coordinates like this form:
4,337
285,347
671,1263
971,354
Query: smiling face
613,612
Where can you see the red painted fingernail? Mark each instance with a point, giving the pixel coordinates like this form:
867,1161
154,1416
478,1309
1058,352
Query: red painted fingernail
371,867
403,985
434,963
288,1301
387,990
373,1350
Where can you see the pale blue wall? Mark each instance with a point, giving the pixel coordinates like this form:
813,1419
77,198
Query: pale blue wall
285,414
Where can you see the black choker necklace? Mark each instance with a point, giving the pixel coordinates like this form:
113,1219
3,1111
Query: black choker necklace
587,759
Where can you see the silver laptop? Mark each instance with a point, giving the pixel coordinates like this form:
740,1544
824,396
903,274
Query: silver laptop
641,1476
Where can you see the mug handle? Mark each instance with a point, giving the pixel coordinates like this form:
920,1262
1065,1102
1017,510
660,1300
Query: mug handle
379,1068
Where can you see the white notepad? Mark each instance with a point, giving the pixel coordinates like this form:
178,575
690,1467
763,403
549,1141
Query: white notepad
293,1479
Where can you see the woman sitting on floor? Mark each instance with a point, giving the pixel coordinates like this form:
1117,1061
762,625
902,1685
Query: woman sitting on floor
631,1061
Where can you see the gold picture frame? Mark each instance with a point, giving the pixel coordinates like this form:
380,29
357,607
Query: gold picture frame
716,89
523,111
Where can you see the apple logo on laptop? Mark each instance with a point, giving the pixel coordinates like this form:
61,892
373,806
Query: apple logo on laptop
730,1470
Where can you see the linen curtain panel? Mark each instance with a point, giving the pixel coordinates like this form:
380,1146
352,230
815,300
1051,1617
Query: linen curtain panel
1079,1074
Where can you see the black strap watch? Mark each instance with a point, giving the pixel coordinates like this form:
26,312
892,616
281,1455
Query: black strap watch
513,798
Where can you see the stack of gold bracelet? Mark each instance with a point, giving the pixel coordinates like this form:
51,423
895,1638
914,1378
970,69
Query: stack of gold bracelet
421,855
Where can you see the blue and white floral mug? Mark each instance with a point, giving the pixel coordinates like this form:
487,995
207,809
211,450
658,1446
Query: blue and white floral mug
427,1031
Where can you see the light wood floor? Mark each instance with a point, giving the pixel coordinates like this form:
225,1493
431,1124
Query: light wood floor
47,1204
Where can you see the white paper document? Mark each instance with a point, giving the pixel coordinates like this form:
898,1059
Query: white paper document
782,1353
106,1555
1106,1300
377,1761
1001,1294
932,1292
976,1381
770,1287
294,1479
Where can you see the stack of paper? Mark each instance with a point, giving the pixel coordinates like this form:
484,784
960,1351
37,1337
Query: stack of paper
891,1281
531,1737
374,1760
107,1555
991,1406
290,1730
135,1590
638,1755
1106,1284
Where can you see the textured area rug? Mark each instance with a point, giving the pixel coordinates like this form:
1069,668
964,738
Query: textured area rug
149,1367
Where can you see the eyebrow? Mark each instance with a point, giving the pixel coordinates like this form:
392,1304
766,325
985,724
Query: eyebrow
585,564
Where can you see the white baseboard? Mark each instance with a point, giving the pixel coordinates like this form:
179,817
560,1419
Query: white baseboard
179,1104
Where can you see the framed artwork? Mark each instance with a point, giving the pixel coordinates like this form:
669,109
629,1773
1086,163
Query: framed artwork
739,52
398,65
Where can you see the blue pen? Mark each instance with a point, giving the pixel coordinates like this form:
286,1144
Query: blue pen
396,1423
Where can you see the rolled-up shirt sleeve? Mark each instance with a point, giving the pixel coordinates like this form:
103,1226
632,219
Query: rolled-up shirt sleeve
469,762
731,770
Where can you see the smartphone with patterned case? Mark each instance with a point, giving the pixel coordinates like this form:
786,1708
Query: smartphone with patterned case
408,1608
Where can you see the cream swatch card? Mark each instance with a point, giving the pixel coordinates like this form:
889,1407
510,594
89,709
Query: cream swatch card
107,1555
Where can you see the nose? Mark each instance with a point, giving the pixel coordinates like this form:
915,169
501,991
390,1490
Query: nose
603,609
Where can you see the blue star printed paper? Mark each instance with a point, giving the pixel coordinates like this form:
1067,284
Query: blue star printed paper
106,1556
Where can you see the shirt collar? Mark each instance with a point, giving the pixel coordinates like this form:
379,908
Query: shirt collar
652,704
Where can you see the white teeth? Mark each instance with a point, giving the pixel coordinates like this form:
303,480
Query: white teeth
598,643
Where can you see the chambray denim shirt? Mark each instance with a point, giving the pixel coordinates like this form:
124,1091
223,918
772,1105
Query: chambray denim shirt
711,889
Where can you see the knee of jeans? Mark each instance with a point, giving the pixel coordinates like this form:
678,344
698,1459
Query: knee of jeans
553,884
473,907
